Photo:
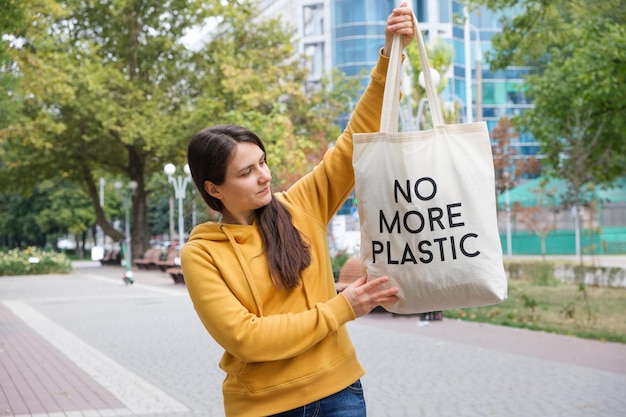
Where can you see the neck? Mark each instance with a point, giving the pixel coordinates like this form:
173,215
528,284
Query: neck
229,218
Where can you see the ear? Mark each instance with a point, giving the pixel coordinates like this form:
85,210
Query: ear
212,189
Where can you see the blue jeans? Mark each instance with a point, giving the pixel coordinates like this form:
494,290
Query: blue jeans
348,402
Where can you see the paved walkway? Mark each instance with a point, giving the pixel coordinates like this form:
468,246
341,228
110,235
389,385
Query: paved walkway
85,344
616,261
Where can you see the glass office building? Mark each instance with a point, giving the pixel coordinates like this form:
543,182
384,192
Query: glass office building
358,33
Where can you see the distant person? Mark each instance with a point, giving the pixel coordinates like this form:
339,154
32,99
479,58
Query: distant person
261,279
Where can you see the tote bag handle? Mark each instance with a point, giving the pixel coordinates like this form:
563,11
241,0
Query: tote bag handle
391,104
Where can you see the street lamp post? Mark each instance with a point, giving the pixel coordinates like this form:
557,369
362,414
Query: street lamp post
507,213
180,187
479,75
100,239
468,69
127,201
409,123
436,78
97,251
194,217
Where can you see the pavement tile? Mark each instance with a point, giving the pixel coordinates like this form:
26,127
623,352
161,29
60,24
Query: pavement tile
36,379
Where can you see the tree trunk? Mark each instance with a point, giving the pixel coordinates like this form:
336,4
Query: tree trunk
140,236
101,219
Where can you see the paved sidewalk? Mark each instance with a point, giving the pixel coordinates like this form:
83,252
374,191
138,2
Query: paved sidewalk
86,345
39,380
615,261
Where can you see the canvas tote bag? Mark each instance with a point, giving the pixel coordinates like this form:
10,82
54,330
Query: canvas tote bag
427,207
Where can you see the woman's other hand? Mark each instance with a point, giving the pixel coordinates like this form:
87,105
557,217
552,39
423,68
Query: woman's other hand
364,296
399,22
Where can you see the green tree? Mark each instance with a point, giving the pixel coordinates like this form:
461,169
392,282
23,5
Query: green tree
577,52
540,218
100,90
18,227
67,209
107,89
510,167
12,19
258,81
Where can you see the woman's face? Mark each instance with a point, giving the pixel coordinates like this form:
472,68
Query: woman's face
246,186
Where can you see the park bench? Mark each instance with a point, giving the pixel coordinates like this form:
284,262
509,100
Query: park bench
177,274
350,272
170,261
150,259
112,257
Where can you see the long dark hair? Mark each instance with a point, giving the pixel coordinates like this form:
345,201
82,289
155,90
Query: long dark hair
208,155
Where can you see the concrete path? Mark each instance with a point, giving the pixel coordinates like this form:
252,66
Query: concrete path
615,261
85,344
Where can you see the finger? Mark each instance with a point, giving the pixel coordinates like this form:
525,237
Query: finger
381,295
374,283
385,299
403,9
359,282
388,300
388,293
399,17
400,27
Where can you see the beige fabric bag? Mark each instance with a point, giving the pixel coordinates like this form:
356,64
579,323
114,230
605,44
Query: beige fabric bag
427,206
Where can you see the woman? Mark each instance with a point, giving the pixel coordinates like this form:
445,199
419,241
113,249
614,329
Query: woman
261,279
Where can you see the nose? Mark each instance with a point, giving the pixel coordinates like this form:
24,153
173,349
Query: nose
266,175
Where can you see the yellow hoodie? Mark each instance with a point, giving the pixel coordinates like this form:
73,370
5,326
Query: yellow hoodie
283,348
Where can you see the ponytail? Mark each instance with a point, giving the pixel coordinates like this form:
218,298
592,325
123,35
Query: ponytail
287,252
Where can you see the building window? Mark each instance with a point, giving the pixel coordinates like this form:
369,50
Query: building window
459,51
421,10
349,11
354,11
445,12
315,52
503,92
313,16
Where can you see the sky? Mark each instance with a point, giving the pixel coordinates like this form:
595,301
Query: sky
193,39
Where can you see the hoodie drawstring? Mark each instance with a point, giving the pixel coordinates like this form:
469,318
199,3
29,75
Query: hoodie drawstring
244,267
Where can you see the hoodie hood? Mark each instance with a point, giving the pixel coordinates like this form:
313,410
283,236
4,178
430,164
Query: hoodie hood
219,238
213,232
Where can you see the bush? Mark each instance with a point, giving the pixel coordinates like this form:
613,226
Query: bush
33,261
540,273
338,262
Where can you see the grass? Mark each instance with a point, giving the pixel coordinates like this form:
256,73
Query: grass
546,304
